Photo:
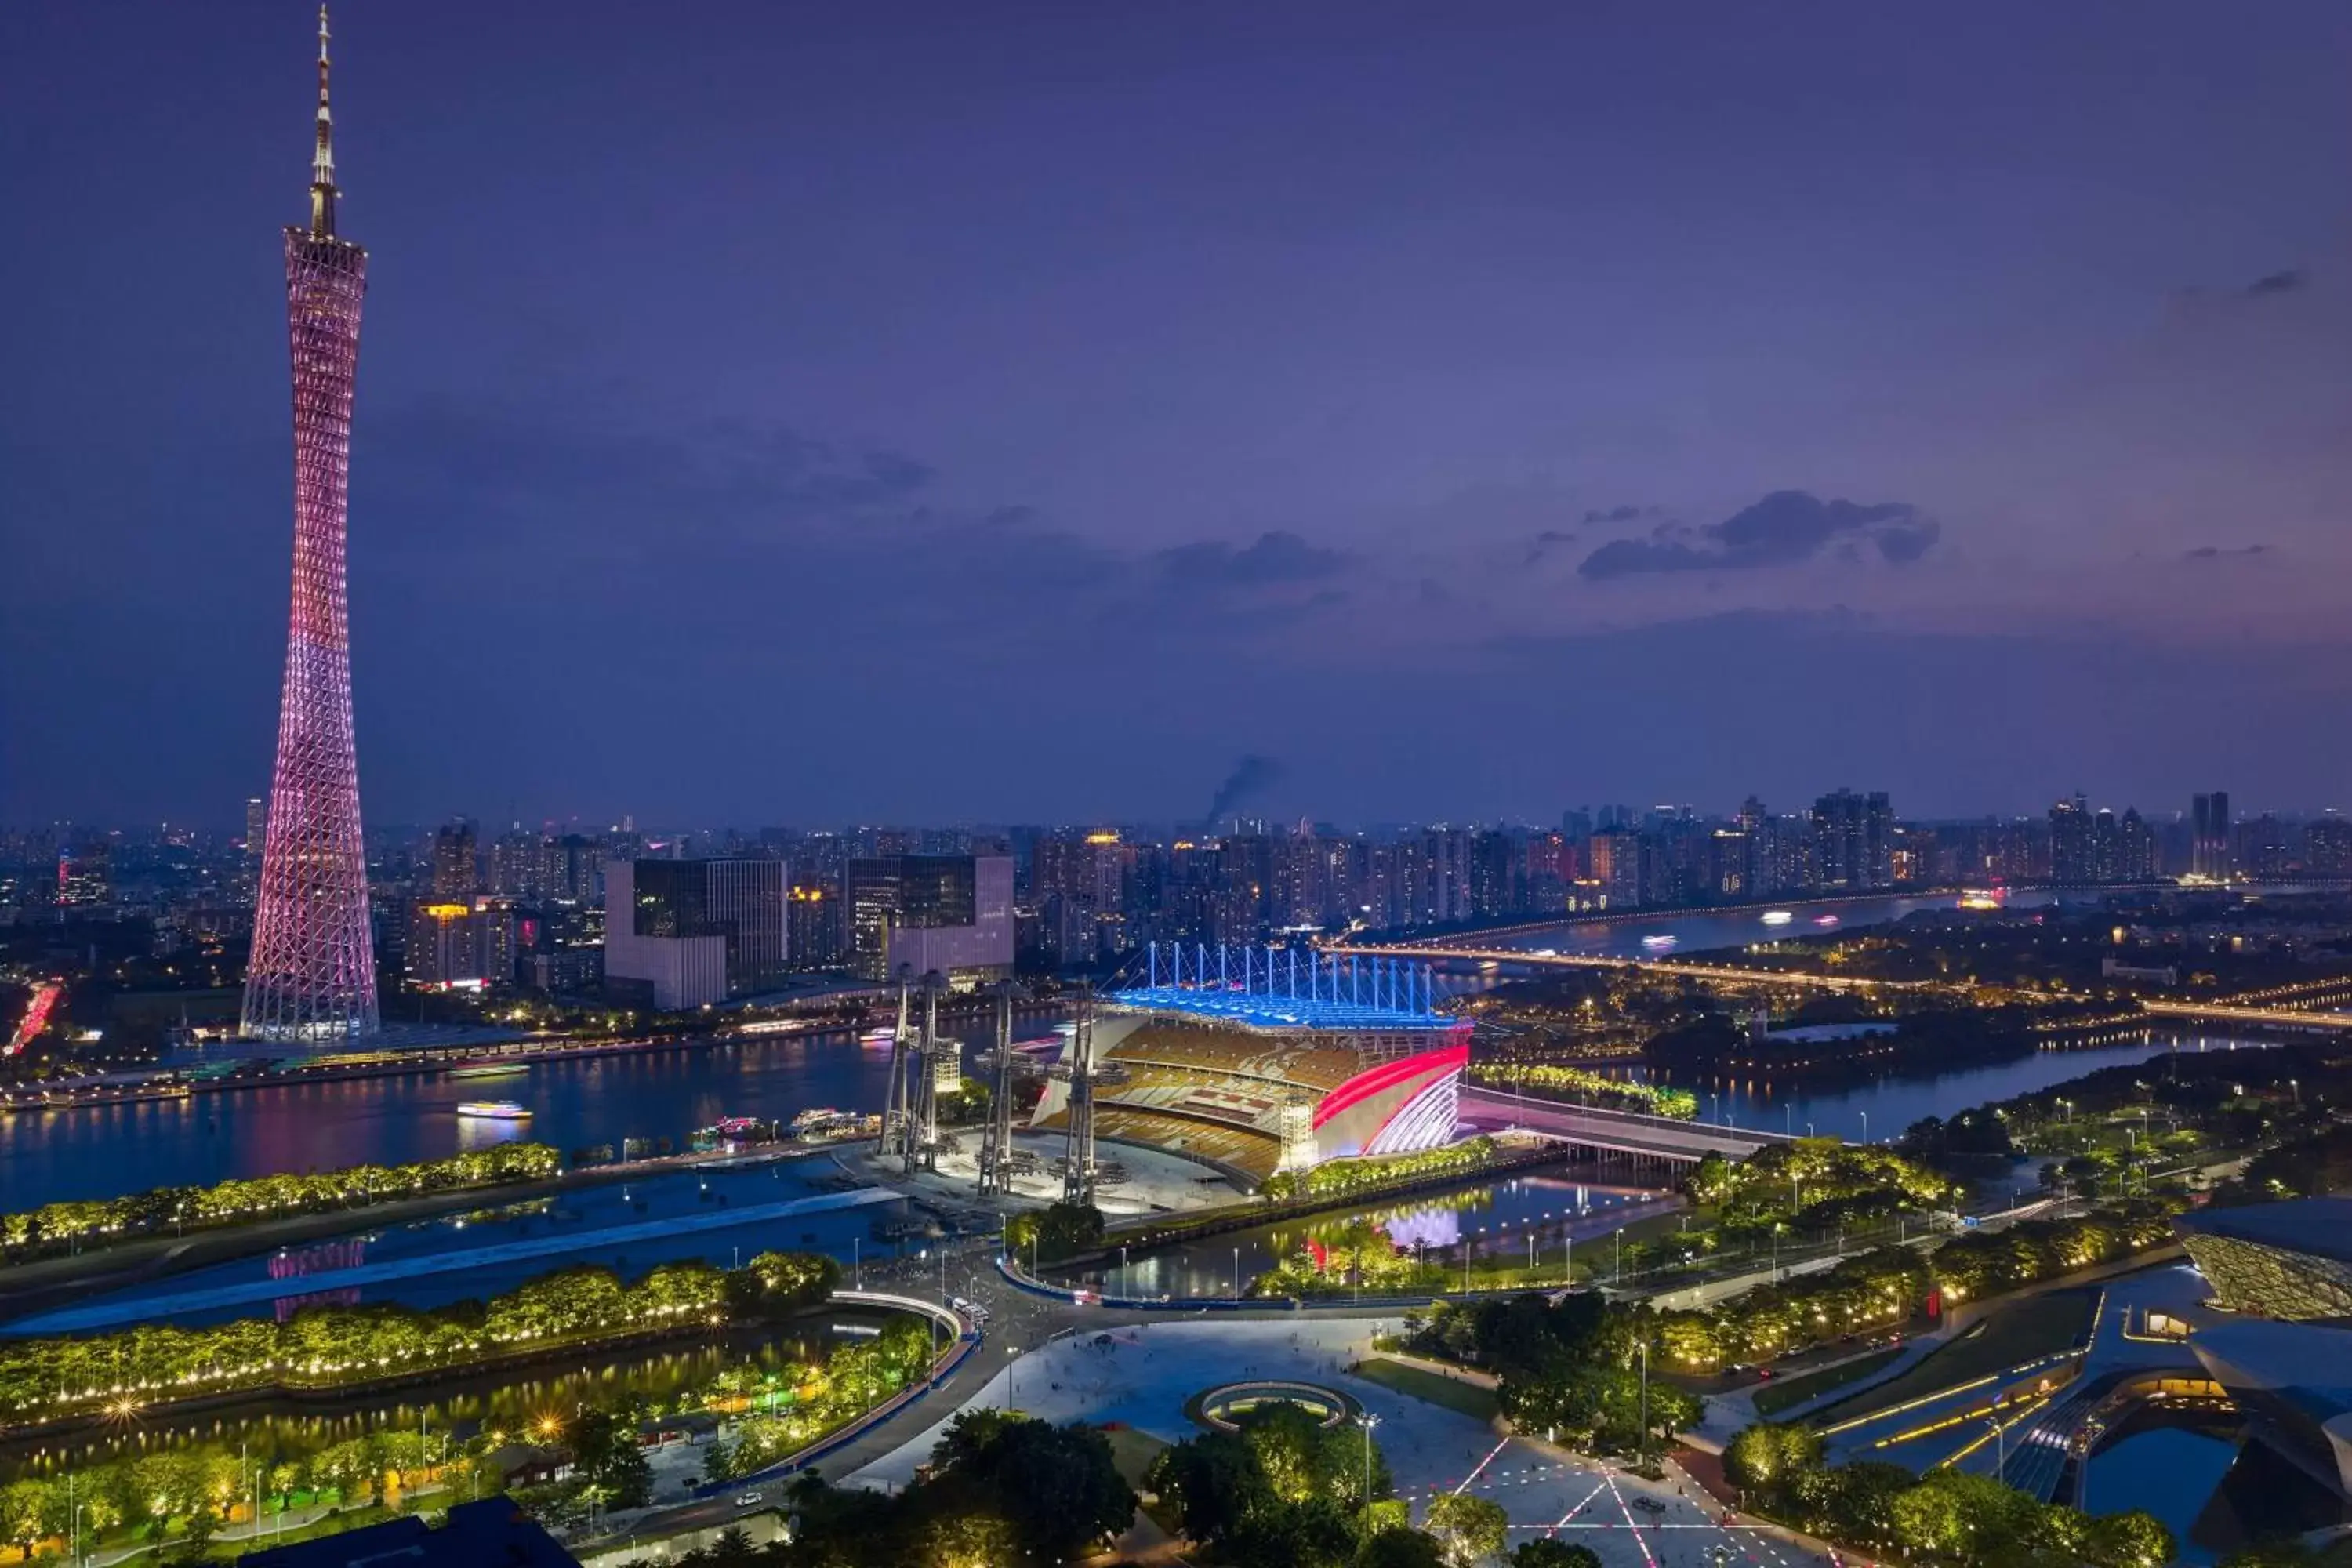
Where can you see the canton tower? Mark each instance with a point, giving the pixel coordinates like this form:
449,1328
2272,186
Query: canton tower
313,975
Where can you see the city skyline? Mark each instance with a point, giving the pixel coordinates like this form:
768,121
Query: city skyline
1036,438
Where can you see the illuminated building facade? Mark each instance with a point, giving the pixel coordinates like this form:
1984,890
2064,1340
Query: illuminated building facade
311,977
1258,1059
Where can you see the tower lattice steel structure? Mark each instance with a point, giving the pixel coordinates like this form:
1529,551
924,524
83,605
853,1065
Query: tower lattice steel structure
313,975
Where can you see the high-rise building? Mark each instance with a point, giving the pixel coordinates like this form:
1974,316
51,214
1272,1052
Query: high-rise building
2209,840
465,944
948,913
2071,842
456,875
2327,845
692,932
312,973
1855,838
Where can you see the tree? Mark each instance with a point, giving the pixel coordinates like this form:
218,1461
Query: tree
1396,1548
969,1433
2132,1540
605,1450
1544,1551
1062,1230
1055,1485
1213,1484
1467,1528
1770,1457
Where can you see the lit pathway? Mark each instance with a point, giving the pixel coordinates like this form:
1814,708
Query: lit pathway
113,1314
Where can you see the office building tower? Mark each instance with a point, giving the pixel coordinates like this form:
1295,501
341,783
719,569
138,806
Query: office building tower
951,914
688,933
2209,830
311,977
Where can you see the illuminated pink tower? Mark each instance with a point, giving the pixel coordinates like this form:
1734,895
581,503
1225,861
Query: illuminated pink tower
312,977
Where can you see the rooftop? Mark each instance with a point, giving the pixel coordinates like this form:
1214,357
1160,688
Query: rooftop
2322,1227
1260,1010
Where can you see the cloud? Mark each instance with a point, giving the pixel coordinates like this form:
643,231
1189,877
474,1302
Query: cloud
1614,514
1783,528
1277,557
2216,553
2285,282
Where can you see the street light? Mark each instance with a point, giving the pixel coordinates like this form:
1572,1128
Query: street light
1367,1421
1865,1126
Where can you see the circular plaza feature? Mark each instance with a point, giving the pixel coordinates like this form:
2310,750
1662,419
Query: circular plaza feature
1223,1408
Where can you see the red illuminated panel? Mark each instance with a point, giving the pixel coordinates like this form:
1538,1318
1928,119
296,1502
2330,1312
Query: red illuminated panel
1387,1075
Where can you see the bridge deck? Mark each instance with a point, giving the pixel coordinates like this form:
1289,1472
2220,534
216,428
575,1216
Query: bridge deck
1625,1132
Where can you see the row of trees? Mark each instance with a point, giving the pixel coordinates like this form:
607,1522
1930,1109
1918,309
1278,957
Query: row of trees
1813,1183
330,1346
189,1493
55,1226
1944,1516
855,1378
1882,1288
1585,1086
1338,1178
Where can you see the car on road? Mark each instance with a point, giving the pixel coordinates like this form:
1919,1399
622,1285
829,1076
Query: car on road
749,1500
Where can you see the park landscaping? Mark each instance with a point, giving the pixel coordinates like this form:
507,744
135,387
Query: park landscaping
84,1222
327,1346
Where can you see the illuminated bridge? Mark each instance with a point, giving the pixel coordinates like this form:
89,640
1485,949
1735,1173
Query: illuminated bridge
2238,1013
1722,972
1623,1132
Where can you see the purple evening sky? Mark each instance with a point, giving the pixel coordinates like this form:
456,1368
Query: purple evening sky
776,414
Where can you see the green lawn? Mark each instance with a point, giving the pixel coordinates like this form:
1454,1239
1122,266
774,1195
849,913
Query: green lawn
1415,1383
2020,1331
1787,1392
1132,1452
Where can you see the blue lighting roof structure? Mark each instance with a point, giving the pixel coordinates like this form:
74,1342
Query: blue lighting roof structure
1287,988
1275,1012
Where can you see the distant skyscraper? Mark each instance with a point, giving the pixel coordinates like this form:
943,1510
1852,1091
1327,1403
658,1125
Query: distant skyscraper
2209,842
455,873
1856,837
312,973
2070,841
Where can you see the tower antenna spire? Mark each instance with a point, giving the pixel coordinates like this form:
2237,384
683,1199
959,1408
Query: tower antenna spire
322,166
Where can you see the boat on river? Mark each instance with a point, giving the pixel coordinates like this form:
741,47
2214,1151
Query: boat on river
493,1111
489,1069
1778,917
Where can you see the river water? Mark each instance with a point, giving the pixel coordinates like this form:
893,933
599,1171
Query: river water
105,1150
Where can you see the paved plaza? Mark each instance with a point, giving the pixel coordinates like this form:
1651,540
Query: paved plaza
1140,1375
